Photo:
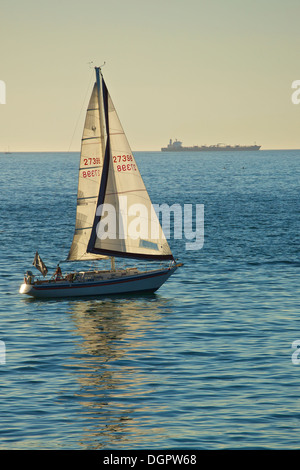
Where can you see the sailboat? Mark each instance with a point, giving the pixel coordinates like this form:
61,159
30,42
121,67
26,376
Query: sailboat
109,183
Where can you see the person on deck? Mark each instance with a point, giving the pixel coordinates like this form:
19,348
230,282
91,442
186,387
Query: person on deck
58,273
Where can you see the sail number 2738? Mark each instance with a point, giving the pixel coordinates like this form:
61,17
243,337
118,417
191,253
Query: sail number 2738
122,162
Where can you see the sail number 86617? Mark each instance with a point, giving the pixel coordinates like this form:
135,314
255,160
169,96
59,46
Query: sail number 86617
128,167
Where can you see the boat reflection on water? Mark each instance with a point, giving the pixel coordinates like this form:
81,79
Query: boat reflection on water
113,352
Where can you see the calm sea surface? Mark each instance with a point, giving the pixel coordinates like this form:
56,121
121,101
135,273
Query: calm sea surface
205,362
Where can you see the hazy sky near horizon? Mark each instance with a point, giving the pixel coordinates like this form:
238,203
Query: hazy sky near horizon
201,71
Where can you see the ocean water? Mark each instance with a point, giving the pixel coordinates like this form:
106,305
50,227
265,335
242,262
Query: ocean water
204,363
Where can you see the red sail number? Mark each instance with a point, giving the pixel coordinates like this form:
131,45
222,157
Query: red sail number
90,173
128,167
122,158
91,161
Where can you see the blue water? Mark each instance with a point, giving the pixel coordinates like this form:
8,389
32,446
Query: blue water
204,363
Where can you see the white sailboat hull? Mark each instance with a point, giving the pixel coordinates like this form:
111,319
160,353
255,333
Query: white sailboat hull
115,284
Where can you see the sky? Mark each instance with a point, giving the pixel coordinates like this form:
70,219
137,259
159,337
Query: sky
201,71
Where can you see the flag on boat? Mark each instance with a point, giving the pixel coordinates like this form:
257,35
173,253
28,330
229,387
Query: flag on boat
39,264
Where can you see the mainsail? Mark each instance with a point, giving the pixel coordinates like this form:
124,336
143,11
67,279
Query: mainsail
90,171
109,178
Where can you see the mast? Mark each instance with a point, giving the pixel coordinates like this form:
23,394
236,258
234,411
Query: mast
100,95
99,79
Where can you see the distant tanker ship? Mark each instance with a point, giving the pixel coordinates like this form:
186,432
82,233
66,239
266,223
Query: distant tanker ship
177,147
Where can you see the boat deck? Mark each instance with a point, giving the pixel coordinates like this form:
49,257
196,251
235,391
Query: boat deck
86,276
98,283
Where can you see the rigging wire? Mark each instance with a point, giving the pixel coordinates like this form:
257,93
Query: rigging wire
83,103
